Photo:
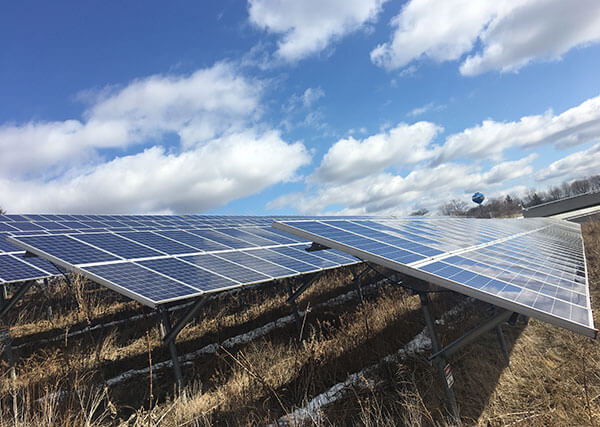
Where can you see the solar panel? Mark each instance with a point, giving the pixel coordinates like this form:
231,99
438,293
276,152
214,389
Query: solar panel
139,283
535,267
158,259
14,270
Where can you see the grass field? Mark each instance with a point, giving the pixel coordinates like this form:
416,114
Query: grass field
357,363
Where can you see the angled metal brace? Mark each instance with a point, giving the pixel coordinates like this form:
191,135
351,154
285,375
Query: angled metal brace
170,334
295,294
174,331
493,322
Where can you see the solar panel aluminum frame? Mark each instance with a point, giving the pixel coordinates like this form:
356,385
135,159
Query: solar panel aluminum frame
441,281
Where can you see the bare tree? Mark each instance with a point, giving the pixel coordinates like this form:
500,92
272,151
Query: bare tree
419,212
581,186
2,211
454,207
555,193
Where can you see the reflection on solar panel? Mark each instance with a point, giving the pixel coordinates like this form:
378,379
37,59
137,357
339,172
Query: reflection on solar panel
535,267
159,259
130,237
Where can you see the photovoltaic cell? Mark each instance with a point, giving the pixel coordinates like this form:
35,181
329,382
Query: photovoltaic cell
191,275
13,270
137,281
117,245
258,264
193,240
226,268
158,242
223,239
66,249
300,254
285,261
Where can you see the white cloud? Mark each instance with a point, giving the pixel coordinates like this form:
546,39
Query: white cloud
578,125
193,142
195,107
506,171
156,181
536,30
392,194
308,27
349,158
428,28
577,165
511,33
418,111
305,100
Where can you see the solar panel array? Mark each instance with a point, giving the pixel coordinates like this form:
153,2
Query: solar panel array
159,259
531,266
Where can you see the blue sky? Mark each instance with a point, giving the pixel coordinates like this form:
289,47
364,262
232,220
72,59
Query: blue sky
286,107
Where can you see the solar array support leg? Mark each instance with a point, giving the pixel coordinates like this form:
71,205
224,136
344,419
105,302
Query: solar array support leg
356,282
439,361
502,343
166,324
15,298
295,294
292,302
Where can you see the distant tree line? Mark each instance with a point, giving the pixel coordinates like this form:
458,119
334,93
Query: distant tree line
511,205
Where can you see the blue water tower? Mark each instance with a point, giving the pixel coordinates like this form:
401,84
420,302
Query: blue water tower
478,198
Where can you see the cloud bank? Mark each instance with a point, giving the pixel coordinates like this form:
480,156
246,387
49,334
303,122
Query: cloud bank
502,35
169,143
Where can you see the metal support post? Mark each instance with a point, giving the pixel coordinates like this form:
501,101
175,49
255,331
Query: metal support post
502,342
166,324
4,294
16,297
292,302
439,361
356,283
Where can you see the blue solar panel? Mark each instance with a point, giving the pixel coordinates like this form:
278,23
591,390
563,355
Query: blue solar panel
249,261
239,233
66,249
6,246
79,240
158,242
39,263
274,237
193,240
13,270
191,275
285,261
5,226
300,254
535,267
226,268
137,281
51,225
224,239
117,245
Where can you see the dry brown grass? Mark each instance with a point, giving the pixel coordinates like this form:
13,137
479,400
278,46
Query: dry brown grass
554,377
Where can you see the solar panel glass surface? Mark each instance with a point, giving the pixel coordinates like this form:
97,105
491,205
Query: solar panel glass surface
533,267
